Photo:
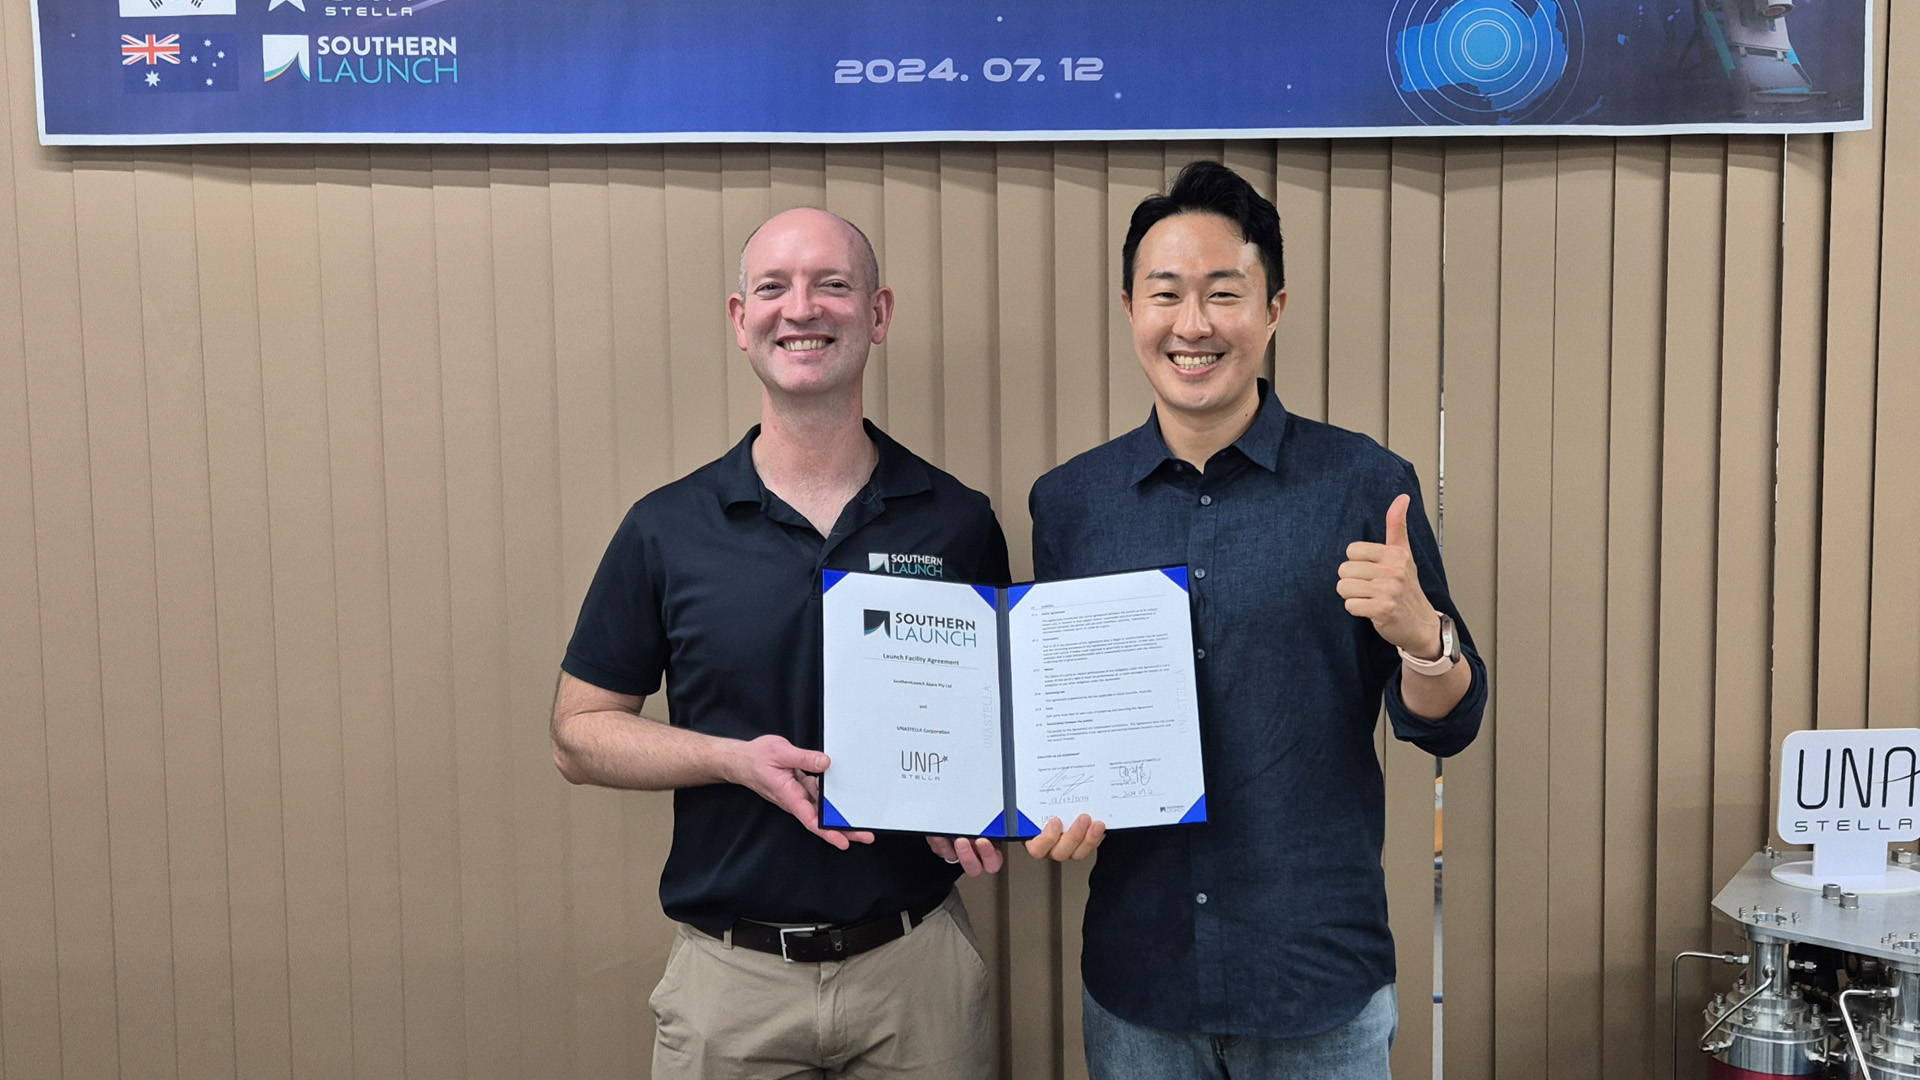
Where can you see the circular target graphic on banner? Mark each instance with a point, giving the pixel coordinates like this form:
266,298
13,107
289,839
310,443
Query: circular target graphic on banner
1484,61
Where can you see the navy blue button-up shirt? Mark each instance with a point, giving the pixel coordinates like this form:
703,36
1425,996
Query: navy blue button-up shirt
1271,918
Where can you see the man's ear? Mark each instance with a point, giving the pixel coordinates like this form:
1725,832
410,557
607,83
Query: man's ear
882,313
1274,307
737,315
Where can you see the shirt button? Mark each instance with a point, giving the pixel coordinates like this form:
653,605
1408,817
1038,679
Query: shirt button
1201,899
1199,654
1206,500
1201,573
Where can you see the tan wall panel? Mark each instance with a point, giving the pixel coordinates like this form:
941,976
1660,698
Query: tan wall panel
1748,364
1025,355
1576,653
307,676
798,176
242,562
1525,535
1469,534
1796,544
196,842
1893,663
1637,337
69,625
700,340
969,335
910,264
1796,615
1688,501
1083,299
121,488
30,1006
1846,489
745,201
537,625
643,412
477,605
413,436
1357,287
1303,193
349,331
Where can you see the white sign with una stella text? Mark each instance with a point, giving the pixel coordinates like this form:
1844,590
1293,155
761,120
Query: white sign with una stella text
1850,794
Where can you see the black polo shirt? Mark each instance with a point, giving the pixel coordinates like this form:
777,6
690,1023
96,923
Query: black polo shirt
714,582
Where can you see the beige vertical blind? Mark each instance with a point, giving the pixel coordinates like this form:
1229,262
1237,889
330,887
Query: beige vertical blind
307,456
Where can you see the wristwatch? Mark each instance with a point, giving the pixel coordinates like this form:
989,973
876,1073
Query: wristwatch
1449,652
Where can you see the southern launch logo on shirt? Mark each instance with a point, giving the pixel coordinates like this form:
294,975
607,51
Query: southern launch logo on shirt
927,566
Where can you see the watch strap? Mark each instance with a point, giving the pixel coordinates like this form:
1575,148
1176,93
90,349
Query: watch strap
1449,653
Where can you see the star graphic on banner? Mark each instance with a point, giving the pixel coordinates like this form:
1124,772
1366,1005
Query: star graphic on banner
153,78
301,4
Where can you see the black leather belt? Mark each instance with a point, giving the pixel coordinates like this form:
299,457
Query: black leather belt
818,944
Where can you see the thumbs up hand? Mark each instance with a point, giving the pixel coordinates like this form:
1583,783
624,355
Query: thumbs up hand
1380,582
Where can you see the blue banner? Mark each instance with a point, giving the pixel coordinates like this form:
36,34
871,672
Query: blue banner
194,71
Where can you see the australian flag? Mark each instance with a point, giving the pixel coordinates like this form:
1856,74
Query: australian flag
178,63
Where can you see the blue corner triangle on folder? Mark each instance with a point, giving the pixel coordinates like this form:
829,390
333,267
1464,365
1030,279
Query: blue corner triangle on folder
830,578
1017,594
996,827
1027,827
1179,576
986,593
831,818
1196,813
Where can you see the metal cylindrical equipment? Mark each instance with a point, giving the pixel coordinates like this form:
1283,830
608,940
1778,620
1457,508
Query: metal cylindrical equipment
1892,1036
1764,1030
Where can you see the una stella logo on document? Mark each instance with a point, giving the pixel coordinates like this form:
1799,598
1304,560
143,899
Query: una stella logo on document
921,764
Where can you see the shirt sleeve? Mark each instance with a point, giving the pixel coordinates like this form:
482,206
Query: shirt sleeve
1046,565
1452,733
620,640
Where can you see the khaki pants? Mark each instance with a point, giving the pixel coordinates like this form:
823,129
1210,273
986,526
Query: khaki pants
914,1007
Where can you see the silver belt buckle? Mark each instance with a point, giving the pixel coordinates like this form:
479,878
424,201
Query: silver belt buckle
785,930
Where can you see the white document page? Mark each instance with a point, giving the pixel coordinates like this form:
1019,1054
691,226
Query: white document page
1106,720
912,717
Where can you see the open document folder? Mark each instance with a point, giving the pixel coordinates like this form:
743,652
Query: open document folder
966,710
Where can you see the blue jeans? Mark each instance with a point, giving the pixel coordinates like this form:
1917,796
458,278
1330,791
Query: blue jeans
1356,1050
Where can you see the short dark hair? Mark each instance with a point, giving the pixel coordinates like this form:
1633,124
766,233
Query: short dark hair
1208,187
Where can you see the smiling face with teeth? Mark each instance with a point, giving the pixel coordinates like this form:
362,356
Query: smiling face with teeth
809,309
1200,327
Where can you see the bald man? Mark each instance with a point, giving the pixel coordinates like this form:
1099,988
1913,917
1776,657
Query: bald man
802,951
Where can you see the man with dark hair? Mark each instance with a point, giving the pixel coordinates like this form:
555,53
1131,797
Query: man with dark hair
803,951
1255,944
